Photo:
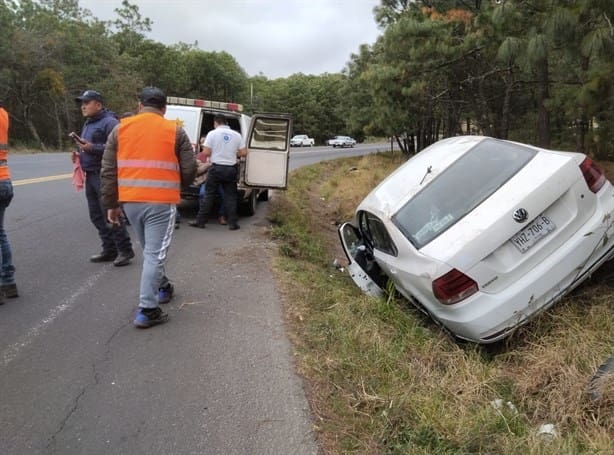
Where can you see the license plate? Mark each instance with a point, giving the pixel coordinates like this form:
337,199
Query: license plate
539,228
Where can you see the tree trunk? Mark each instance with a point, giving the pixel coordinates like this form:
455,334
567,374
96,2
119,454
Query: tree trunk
58,125
543,116
35,134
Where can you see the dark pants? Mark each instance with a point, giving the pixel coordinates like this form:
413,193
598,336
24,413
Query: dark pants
113,240
225,177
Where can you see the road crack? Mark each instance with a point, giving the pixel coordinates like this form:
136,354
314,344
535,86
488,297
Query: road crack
92,383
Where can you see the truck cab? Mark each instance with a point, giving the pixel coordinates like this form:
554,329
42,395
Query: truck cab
267,137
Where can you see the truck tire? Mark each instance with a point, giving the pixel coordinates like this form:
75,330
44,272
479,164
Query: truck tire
249,205
263,195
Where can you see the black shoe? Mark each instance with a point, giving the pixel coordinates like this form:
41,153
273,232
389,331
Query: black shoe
123,258
148,317
234,227
196,224
105,256
9,290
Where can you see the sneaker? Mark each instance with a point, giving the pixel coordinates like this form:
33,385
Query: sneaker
234,227
123,258
165,294
148,317
9,290
196,224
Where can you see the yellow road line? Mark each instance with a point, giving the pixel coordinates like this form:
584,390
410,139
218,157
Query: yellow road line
42,179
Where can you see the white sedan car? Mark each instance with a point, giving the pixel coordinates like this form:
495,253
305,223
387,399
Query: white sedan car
342,141
483,234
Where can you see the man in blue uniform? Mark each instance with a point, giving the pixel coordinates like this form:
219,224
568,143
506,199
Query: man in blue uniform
116,244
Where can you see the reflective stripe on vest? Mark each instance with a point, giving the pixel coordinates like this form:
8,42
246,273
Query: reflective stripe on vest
149,163
147,183
4,144
147,166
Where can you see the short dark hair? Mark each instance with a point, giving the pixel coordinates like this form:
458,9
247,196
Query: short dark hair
153,97
220,119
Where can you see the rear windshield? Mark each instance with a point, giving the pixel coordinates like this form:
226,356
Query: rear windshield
459,189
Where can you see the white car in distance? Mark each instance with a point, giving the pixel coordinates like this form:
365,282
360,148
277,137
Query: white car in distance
342,141
301,140
483,234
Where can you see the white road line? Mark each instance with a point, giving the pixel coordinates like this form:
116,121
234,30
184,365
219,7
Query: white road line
13,351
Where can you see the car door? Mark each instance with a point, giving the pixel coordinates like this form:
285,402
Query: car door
268,145
362,265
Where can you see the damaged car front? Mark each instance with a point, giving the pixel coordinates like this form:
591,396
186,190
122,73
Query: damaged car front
483,234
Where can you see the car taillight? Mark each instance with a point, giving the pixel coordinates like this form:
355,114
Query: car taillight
594,176
453,287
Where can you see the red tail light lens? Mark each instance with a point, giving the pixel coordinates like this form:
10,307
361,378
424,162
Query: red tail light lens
593,175
453,287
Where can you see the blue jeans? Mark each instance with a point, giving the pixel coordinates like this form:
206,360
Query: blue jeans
113,240
154,225
7,270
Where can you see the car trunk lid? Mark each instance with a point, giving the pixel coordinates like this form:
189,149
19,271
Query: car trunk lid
520,224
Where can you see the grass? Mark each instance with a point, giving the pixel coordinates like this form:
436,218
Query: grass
382,379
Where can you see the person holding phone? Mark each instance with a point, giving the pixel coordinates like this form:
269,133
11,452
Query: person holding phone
99,122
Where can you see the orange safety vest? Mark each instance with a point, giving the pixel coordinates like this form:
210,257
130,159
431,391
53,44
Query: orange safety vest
147,166
4,145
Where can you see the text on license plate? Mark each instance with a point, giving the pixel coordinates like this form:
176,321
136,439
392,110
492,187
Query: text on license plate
532,233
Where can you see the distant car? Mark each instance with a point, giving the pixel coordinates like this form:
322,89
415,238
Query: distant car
301,140
483,234
342,141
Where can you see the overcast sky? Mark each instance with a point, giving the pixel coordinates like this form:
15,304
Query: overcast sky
274,37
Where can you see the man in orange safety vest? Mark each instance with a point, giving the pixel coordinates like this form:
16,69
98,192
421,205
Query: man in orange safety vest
146,161
8,287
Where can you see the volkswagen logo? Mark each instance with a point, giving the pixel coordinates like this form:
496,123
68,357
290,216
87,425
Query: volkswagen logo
521,215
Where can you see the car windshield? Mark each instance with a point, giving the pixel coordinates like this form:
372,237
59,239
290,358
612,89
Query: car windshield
459,189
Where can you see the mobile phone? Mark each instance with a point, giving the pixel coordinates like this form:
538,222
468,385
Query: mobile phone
75,137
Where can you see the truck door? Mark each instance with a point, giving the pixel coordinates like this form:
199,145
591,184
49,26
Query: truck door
187,117
268,145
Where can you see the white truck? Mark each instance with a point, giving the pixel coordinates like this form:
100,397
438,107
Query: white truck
267,137
301,140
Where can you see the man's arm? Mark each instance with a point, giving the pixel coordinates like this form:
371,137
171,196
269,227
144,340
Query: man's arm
185,155
109,192
242,152
98,148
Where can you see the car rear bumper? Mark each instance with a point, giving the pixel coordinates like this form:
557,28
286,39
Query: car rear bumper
486,318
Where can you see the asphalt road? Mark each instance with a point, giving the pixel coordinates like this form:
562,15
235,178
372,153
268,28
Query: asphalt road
77,378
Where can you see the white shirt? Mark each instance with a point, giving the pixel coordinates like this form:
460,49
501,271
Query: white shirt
224,143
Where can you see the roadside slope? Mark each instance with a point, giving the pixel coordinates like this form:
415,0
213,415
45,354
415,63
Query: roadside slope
382,379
